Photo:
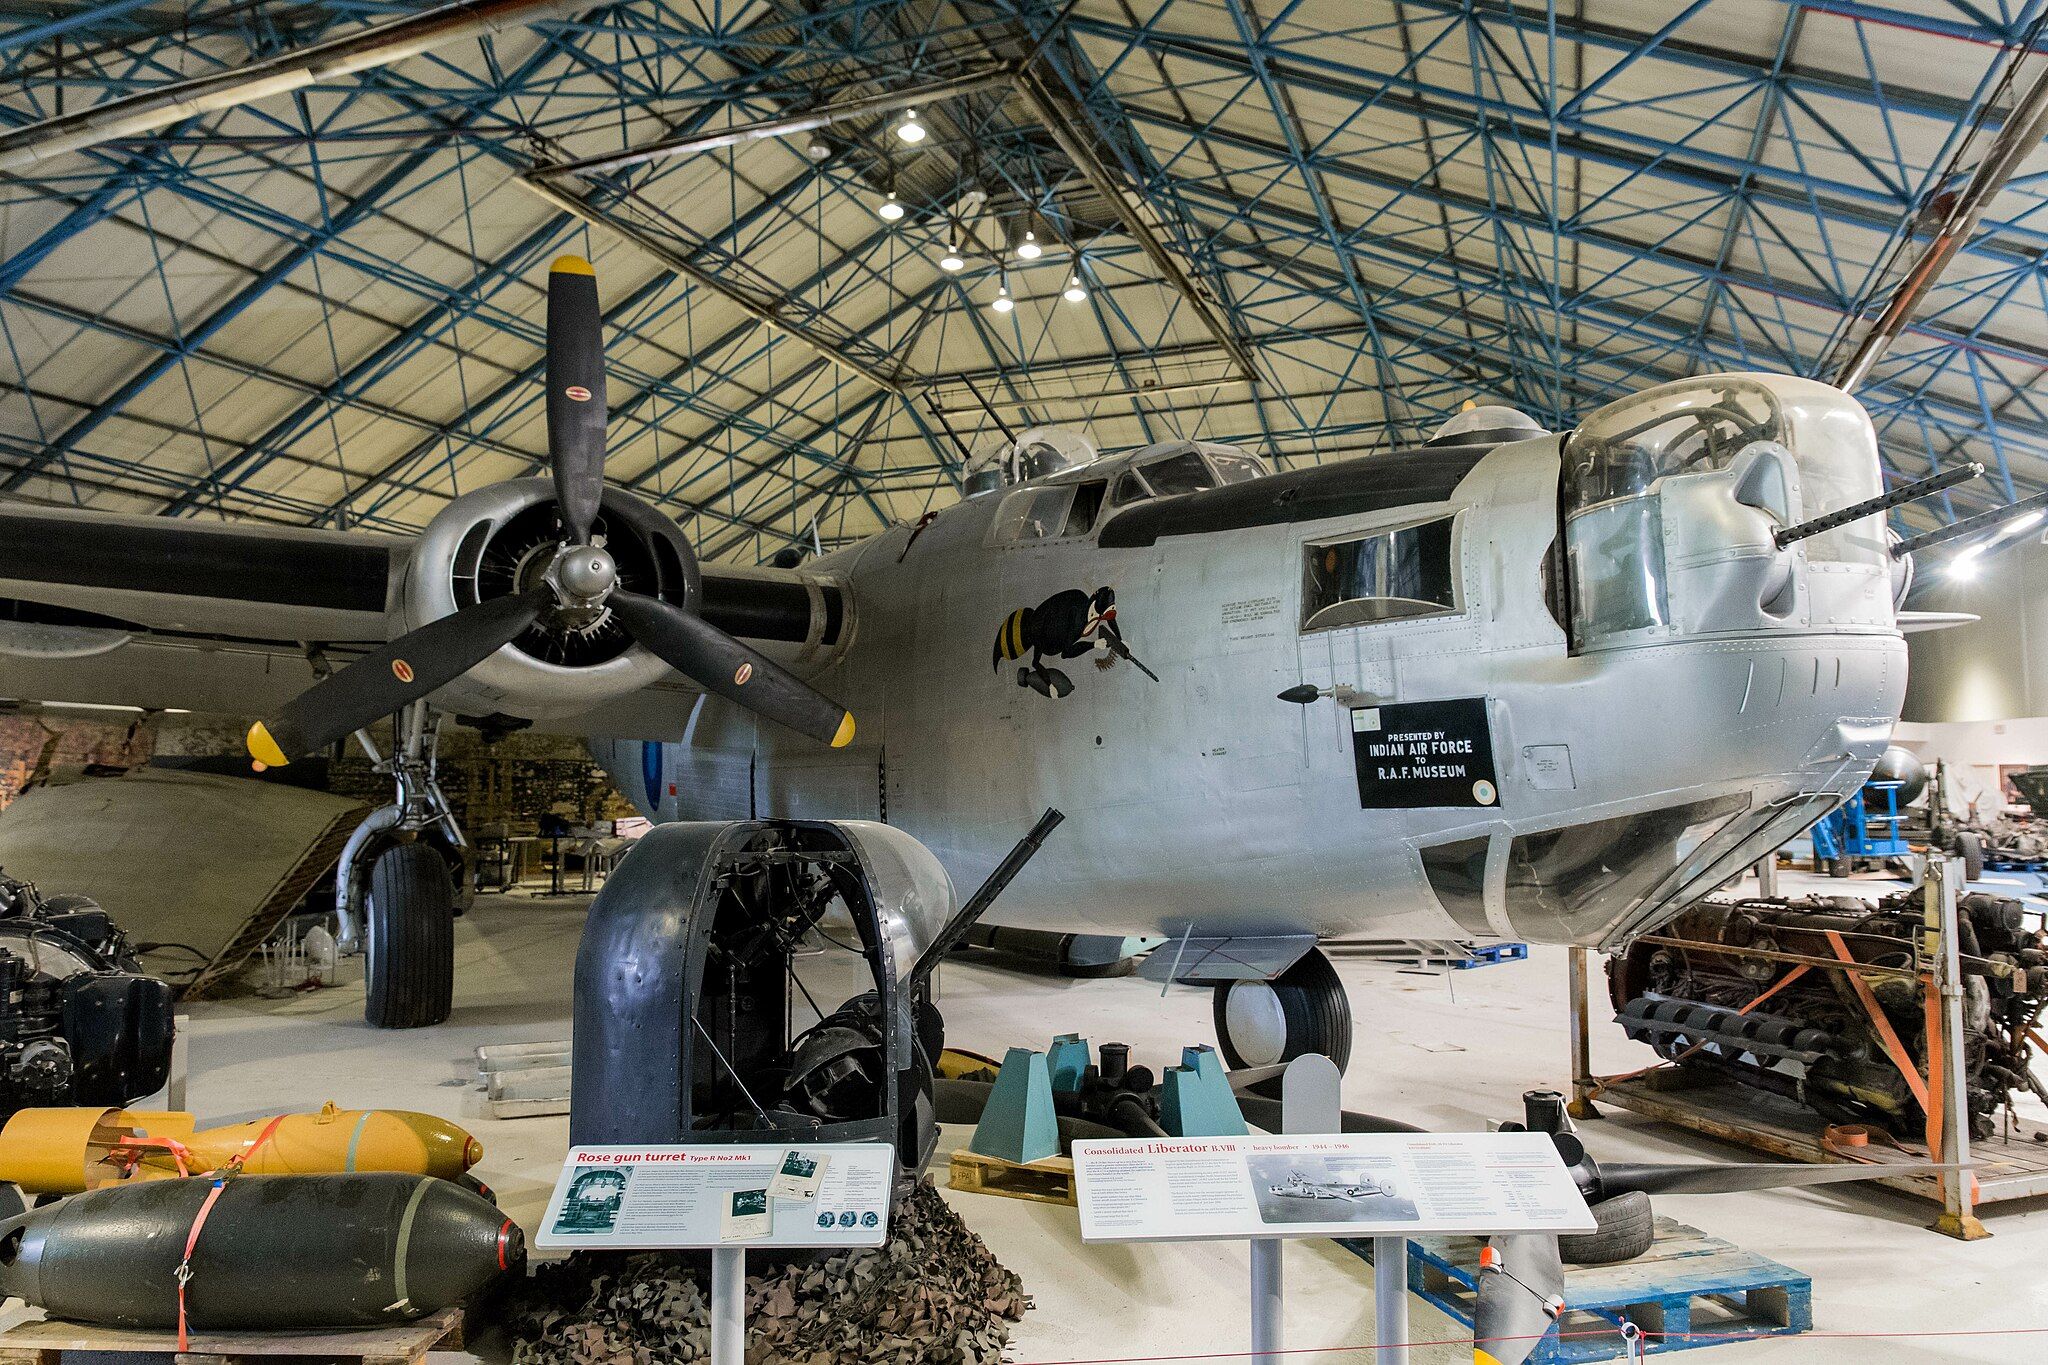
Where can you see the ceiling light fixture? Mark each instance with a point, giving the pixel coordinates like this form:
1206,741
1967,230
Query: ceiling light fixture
817,149
891,208
1004,303
1074,292
910,130
1029,249
952,262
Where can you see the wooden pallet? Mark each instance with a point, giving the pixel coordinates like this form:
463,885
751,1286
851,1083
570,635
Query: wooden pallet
1050,1181
46,1342
2007,1166
1686,1282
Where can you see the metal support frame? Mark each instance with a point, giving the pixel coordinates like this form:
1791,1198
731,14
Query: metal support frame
1258,198
1946,1083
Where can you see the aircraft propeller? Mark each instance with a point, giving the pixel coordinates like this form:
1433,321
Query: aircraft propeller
581,582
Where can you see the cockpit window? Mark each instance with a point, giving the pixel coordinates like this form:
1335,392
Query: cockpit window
1129,489
1236,468
1033,514
1182,473
1394,575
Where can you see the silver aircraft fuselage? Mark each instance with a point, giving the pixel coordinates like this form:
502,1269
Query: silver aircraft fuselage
1661,704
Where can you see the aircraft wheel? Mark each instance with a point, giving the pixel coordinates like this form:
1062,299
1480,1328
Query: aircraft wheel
1303,1010
1625,1228
1970,848
410,940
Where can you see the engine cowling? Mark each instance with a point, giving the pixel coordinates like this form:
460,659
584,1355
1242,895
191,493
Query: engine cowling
496,542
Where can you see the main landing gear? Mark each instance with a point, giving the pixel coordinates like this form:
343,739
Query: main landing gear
400,883
1303,1010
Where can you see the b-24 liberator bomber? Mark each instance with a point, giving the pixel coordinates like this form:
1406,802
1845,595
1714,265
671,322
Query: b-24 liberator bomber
1513,683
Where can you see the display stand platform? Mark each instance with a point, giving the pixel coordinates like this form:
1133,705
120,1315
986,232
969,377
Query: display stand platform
48,1341
1687,1282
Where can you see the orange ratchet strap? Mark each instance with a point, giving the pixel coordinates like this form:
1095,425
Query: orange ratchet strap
220,1180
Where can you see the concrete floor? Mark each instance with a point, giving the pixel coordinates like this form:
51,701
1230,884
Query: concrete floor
1447,1051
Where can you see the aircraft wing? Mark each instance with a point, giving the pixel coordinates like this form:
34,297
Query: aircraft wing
169,613
99,609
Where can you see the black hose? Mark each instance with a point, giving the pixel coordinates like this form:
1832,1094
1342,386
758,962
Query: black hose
1266,1114
962,1102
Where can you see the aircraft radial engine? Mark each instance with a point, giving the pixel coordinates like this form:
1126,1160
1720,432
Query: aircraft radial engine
550,596
499,542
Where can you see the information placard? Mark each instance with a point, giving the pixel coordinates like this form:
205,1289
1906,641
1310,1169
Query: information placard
714,1194
1334,1185
1423,754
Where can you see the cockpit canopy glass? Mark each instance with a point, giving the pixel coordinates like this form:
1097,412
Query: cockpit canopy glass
1184,467
1621,464
1685,428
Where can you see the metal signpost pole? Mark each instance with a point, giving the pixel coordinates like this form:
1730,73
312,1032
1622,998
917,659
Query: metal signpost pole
1266,1300
728,1305
1390,1299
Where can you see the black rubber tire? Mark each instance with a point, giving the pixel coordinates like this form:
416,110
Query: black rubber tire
410,944
1970,848
1317,1011
1627,1227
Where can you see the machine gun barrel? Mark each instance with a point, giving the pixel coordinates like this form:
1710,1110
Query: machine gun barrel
978,903
1883,502
1969,526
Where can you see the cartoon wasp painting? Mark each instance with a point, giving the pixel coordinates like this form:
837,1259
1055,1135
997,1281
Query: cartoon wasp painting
1065,625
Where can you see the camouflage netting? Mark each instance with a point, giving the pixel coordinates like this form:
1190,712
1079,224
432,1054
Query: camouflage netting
933,1295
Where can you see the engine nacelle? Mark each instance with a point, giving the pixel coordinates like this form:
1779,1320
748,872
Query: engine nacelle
496,542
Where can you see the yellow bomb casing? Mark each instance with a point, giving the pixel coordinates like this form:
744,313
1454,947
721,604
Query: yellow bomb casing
64,1151
343,1140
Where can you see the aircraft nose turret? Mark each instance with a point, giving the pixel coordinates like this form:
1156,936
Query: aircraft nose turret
1678,500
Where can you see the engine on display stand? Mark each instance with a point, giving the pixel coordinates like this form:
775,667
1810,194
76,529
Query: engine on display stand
1814,1039
80,1024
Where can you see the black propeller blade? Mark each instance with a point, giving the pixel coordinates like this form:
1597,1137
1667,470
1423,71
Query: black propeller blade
384,680
581,581
1521,1292
722,665
576,408
1619,1177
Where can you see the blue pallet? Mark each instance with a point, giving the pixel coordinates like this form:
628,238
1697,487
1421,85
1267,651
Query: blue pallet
1687,1282
1486,954
2015,864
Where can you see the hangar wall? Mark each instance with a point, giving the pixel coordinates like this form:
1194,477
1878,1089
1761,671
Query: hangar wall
1977,696
1995,669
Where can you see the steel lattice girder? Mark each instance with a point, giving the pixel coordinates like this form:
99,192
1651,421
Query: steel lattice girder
1506,284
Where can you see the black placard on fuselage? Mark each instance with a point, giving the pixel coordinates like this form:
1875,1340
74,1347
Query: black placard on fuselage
1415,754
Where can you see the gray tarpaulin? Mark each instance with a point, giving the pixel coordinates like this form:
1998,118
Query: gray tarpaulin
180,857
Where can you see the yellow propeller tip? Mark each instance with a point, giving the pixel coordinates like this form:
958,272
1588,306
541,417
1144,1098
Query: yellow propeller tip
1481,1356
264,749
570,265
845,735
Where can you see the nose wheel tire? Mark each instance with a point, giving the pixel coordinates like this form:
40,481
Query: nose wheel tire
1303,1010
410,948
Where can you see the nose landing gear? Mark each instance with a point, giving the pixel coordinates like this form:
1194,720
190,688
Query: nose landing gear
1303,1010
396,886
